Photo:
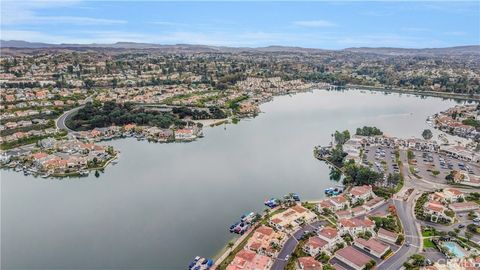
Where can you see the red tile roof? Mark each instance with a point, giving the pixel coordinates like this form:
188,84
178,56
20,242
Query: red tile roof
316,242
372,244
354,256
309,263
328,232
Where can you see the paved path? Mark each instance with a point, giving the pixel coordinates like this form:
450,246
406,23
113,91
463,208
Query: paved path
412,236
289,246
60,122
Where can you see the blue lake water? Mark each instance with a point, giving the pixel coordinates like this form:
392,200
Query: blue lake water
164,204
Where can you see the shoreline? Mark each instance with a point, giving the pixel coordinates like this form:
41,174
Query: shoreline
438,94
217,122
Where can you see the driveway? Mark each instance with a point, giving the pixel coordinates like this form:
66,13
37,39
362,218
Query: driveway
281,261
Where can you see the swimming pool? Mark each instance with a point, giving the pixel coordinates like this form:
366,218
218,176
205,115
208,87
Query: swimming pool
455,249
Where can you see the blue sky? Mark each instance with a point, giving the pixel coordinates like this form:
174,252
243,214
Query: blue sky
329,25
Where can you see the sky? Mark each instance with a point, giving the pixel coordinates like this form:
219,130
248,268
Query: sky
325,25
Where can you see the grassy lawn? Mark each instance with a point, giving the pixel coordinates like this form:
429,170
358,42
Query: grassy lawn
427,233
427,243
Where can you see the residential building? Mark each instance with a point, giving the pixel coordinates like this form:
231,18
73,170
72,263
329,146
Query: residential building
372,246
352,257
387,235
308,263
249,260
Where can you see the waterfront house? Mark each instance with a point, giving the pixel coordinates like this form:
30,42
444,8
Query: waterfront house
352,257
372,246
325,204
339,202
292,218
266,241
309,263
387,235
185,134
249,260
361,193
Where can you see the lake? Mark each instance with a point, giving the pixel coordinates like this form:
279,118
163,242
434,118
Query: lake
164,204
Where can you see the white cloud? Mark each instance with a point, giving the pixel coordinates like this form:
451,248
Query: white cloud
455,33
314,23
26,12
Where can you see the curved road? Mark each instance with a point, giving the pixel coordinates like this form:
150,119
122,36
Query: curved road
60,122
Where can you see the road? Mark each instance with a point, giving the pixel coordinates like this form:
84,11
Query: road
412,236
290,245
60,122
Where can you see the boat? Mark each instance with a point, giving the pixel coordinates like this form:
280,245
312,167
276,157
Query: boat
248,218
83,173
46,175
328,190
200,264
272,203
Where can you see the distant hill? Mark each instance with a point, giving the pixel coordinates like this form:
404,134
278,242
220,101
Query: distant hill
473,49
461,50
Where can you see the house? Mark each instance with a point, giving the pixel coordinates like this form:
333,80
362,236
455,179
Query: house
352,257
373,203
353,226
361,193
453,194
435,210
343,214
331,235
358,211
264,239
292,218
339,202
463,206
387,235
372,246
333,204
309,263
185,134
247,259
315,245
325,204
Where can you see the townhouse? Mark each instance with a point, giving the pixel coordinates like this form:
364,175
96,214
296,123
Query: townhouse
266,241
352,257
292,218
353,226
387,235
309,263
358,193
247,259
372,246
436,211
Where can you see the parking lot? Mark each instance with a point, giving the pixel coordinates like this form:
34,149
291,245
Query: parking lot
426,165
430,166
381,160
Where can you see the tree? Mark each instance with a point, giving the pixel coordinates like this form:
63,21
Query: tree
341,137
427,134
468,235
370,265
89,83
